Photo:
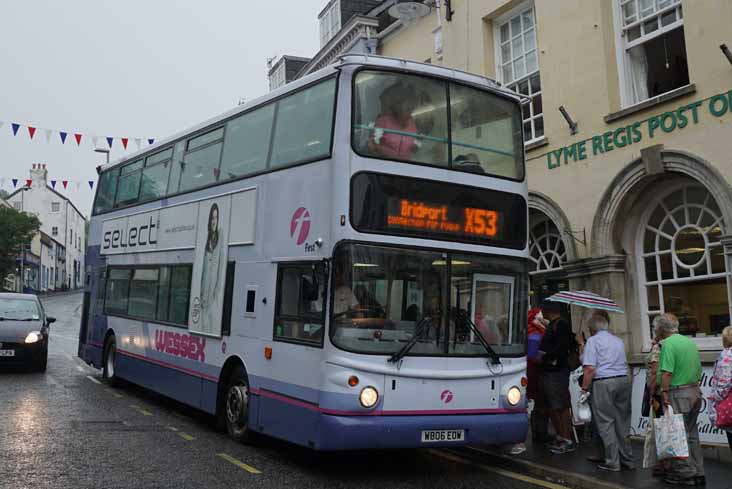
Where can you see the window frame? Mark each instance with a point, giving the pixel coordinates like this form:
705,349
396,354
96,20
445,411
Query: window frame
498,57
301,265
622,46
449,143
222,122
55,205
132,269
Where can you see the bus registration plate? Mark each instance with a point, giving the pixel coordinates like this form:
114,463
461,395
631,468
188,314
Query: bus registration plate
7,353
432,436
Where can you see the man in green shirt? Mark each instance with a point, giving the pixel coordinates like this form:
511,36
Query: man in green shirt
679,373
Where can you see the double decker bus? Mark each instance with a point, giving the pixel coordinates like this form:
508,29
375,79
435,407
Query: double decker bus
341,263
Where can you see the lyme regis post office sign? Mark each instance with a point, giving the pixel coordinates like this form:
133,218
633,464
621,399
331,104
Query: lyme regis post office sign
718,106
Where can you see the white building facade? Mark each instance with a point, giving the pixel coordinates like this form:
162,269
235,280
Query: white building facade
62,221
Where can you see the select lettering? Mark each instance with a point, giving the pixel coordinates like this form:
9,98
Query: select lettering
144,235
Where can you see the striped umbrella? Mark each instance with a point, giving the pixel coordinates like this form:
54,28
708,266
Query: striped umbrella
586,299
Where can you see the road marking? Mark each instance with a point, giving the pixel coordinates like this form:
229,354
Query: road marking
239,463
93,379
60,336
172,428
495,470
142,411
51,380
69,356
185,436
115,394
80,368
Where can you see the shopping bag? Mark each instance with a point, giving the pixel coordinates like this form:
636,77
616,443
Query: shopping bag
649,446
724,414
671,436
580,414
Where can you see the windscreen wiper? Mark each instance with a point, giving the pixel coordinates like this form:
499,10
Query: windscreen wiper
481,339
419,329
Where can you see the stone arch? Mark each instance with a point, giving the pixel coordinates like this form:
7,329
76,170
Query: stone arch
551,209
632,181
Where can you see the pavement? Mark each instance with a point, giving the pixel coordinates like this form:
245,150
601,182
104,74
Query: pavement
65,428
573,470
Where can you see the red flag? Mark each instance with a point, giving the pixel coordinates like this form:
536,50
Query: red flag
65,183
31,131
124,142
78,139
28,182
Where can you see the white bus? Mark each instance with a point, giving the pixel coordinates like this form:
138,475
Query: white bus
341,263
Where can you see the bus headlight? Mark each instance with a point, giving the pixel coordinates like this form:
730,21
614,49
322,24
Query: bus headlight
369,397
513,396
33,337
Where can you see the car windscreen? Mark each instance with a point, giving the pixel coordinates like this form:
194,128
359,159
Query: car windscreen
19,309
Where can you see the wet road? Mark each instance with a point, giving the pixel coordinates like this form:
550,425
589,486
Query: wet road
66,429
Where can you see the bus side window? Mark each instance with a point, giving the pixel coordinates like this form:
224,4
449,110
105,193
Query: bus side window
228,298
251,299
300,306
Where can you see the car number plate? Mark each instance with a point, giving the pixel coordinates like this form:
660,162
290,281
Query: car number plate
432,436
7,353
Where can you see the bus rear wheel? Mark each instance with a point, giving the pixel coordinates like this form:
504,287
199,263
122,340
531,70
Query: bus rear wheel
109,367
235,411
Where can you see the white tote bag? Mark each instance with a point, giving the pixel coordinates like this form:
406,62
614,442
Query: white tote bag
671,436
581,413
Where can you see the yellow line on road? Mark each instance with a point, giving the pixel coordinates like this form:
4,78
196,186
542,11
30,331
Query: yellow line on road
239,463
115,394
495,470
142,411
93,379
185,436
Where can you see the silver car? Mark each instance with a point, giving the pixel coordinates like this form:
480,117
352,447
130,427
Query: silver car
23,331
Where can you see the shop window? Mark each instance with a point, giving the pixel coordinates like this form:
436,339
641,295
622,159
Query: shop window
653,49
517,65
300,303
682,260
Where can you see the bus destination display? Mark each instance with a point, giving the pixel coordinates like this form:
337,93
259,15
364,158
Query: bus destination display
443,218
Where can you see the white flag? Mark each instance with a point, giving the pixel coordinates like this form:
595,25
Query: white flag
78,186
2,182
138,141
94,143
1,124
48,135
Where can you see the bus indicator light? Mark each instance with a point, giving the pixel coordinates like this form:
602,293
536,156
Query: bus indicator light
353,381
268,352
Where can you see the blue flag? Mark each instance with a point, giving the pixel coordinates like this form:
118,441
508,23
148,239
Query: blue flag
63,136
53,184
91,183
150,141
109,142
15,128
15,182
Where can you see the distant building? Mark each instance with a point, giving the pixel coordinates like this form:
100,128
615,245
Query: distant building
285,70
65,229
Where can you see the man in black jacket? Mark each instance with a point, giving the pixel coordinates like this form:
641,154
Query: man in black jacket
554,375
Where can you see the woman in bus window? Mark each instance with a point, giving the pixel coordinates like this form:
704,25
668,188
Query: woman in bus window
211,272
390,138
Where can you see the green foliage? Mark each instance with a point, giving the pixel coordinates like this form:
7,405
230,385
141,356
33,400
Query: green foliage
16,229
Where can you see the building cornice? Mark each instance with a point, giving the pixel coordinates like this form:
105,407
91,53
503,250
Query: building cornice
595,266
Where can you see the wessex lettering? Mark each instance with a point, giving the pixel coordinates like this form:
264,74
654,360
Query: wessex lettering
181,345
144,235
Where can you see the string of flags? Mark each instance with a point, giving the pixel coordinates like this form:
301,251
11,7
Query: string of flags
19,130
29,183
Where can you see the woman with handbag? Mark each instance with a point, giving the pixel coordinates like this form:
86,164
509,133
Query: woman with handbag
720,412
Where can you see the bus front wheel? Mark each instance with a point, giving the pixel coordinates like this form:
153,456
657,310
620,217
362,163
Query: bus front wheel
109,368
236,405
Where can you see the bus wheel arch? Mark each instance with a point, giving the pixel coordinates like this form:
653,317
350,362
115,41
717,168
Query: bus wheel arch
109,358
232,406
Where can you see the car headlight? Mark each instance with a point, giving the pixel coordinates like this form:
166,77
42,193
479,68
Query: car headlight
369,397
513,396
33,337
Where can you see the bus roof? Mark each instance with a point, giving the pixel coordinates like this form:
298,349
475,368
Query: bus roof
345,60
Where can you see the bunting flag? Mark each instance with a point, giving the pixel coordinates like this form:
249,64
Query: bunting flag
65,183
15,182
91,184
68,184
28,182
53,184
79,137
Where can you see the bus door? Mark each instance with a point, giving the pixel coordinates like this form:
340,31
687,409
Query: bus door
93,307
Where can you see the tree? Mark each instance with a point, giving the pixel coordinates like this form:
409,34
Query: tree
18,229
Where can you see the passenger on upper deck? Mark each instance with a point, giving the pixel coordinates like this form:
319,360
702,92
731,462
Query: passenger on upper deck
397,103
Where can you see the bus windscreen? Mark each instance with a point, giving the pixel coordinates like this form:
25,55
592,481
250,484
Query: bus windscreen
388,204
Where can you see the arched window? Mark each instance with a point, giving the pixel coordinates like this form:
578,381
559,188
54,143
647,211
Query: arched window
546,248
682,266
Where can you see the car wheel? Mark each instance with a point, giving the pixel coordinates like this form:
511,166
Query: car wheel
235,409
109,368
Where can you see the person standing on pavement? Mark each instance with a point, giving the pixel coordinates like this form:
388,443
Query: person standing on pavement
554,375
679,374
655,403
539,422
722,380
606,379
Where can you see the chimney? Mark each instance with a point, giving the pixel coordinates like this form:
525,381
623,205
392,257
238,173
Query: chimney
39,174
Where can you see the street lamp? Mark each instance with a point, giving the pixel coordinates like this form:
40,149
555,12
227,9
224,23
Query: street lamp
23,190
103,150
